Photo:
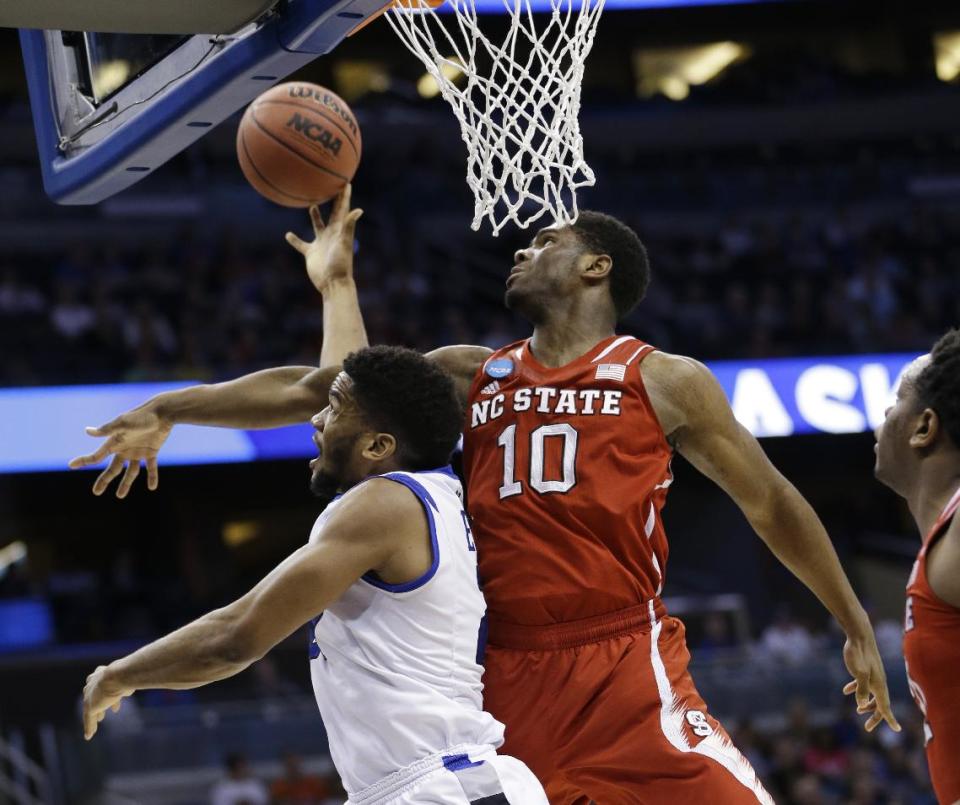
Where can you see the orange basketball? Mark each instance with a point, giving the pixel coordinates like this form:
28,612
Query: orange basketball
298,144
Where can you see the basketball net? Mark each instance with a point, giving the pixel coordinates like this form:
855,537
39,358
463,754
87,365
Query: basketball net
517,102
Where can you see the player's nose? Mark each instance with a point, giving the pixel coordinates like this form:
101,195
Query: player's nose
318,419
521,256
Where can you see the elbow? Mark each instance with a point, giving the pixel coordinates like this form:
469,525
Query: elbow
237,646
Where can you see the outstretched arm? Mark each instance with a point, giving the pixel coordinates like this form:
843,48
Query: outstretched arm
329,263
273,397
268,399
698,420
368,530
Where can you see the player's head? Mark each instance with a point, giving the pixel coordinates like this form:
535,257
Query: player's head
390,409
924,420
598,258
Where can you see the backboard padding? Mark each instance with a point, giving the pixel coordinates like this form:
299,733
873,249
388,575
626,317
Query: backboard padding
162,112
134,16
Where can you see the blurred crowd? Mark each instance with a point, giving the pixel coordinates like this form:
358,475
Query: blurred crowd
804,761
837,285
833,761
297,786
746,288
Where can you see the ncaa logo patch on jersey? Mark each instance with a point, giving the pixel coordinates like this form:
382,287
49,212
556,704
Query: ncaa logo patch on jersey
501,367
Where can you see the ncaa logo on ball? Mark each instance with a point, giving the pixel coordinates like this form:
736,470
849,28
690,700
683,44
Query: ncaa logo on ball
500,368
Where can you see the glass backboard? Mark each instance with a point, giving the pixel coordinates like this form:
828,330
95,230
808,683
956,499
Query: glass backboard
110,108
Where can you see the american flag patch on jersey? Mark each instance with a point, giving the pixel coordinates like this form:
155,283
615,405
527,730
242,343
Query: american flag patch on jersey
611,371
490,388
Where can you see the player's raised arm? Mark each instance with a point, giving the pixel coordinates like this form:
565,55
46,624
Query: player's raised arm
267,399
697,418
329,263
373,525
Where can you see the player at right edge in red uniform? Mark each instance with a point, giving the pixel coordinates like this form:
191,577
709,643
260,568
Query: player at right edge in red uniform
567,446
918,457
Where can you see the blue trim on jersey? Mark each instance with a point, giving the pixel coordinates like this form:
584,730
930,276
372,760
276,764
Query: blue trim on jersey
482,639
313,649
457,762
415,486
428,503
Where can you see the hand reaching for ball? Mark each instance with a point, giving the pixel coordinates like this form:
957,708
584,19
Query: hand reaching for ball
329,256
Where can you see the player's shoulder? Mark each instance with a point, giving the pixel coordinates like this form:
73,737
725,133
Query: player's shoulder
378,506
683,391
675,374
459,359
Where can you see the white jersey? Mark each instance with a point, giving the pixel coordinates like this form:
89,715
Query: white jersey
396,667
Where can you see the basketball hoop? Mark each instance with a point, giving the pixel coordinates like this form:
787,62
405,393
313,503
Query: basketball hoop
518,105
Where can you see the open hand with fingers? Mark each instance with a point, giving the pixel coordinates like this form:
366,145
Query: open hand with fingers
869,682
132,439
329,256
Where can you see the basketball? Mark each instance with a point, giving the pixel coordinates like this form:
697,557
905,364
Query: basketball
298,144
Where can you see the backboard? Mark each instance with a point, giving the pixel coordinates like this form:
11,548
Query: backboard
110,108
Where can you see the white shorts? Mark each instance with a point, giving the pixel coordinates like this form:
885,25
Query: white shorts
459,776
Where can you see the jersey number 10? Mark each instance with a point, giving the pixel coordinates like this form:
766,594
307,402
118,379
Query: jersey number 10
508,441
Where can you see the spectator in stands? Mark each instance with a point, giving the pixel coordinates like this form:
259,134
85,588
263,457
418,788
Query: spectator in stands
786,640
239,787
297,787
824,758
717,639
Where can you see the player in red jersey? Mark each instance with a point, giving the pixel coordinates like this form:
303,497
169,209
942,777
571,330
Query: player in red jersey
918,457
567,449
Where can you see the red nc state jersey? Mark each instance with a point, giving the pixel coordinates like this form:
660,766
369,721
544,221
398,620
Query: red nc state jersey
931,647
567,470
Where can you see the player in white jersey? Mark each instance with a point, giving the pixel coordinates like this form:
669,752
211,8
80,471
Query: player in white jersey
389,579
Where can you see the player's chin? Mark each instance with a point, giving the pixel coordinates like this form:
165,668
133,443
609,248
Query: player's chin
319,478
324,487
516,299
880,473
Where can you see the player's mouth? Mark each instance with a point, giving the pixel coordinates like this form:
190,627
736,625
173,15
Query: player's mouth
514,273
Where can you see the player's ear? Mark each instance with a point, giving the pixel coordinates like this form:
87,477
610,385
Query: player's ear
596,267
379,446
926,429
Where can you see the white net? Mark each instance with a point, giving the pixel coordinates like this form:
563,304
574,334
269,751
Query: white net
516,99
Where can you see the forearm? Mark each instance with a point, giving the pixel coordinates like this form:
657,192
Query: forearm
343,328
197,654
792,530
267,399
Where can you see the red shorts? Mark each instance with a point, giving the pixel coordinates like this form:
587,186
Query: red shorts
942,732
605,710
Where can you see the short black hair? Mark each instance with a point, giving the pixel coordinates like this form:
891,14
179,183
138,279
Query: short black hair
630,274
938,385
403,393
